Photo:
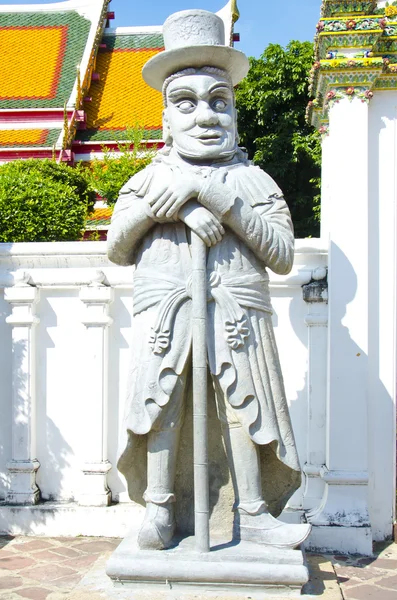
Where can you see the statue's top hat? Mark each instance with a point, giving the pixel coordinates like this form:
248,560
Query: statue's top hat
194,38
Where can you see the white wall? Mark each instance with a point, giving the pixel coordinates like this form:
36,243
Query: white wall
59,272
78,411
382,302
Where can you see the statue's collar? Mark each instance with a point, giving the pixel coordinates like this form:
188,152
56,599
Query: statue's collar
174,159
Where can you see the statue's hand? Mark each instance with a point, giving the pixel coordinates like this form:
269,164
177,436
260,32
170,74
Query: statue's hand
202,222
168,201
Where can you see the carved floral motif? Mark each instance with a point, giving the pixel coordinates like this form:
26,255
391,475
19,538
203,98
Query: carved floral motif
341,72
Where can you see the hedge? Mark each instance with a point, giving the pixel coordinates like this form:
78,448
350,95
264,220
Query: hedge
43,201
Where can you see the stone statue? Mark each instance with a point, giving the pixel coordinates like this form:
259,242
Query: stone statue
203,182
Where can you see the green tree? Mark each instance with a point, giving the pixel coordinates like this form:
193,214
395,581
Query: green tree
108,175
271,103
43,201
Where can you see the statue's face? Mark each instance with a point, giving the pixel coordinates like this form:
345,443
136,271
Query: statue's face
201,116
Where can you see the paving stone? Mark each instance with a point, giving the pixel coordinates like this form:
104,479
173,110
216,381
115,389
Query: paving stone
16,563
34,593
82,562
369,592
389,582
322,578
341,558
346,583
62,595
49,556
360,573
98,546
32,546
48,572
68,552
70,540
69,582
9,583
379,563
5,540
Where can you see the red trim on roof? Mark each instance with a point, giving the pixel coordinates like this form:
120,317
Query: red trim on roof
32,116
9,154
80,147
112,50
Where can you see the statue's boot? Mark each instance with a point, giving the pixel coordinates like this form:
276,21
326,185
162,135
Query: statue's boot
158,527
159,524
265,529
252,521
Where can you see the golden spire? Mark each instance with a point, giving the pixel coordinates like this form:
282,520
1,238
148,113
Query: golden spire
235,11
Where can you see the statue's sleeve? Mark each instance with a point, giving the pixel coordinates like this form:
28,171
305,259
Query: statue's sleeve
130,219
258,214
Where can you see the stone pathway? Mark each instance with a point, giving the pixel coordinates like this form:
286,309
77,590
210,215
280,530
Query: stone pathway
369,578
73,568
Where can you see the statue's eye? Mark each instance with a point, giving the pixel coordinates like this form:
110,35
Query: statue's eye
219,105
186,106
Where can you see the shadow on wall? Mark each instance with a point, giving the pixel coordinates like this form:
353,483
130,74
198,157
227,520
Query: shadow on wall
5,400
56,457
120,342
53,451
345,351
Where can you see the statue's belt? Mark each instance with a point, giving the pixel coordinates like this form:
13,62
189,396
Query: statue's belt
230,292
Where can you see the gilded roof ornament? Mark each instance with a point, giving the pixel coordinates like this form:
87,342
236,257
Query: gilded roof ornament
235,11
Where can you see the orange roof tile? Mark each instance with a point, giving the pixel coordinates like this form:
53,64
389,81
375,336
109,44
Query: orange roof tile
31,61
28,137
121,98
39,54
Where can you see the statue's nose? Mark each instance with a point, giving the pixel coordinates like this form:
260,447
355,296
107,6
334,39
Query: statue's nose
206,117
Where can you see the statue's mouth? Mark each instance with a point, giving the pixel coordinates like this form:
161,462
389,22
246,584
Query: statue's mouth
209,135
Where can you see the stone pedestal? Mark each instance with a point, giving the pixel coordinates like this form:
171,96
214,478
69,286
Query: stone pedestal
244,568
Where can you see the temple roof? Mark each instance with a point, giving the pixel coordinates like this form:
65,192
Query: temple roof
39,55
47,55
120,98
69,82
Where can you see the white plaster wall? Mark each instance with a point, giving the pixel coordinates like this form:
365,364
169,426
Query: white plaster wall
59,271
5,394
382,302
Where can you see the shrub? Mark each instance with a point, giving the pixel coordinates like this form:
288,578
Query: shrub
43,201
110,174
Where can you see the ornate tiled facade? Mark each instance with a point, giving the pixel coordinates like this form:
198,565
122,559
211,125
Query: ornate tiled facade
70,84
40,53
113,105
33,138
46,66
355,54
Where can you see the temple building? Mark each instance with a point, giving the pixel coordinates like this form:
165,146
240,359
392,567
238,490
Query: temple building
71,84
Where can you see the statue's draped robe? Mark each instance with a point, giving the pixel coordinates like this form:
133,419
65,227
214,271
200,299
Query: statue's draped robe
242,352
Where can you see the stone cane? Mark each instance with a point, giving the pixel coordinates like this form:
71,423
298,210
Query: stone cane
200,430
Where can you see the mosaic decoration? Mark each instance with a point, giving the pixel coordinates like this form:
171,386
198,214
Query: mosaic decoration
341,7
355,55
114,106
100,217
32,138
39,54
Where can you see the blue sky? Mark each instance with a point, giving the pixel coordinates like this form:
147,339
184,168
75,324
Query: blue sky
261,21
